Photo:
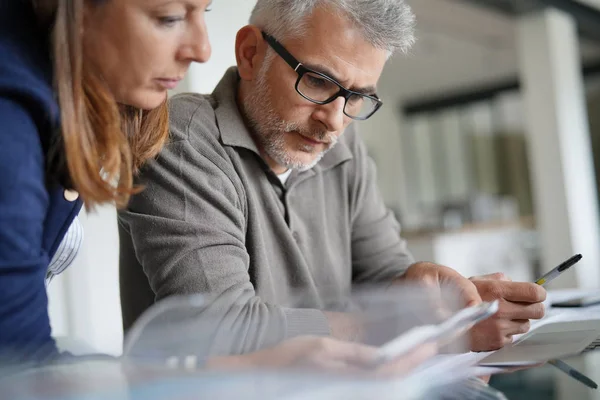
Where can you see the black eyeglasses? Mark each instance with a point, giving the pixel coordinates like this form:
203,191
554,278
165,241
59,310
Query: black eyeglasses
321,89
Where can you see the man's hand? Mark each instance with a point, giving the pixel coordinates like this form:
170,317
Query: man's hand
519,302
435,275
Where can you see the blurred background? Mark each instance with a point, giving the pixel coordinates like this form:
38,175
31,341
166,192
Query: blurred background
487,148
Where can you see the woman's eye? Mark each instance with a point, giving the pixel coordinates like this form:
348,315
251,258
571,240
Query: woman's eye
169,21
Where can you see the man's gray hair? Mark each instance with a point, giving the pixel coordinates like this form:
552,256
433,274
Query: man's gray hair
386,24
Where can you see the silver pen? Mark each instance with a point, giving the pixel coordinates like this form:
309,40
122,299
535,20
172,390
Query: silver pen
550,276
572,372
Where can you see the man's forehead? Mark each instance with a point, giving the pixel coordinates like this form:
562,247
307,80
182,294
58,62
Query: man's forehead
371,74
351,70
340,52
334,42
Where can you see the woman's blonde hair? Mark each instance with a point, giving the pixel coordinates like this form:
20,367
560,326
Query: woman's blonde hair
102,143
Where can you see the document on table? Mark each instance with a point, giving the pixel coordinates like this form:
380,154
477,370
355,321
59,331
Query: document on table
576,327
563,332
547,342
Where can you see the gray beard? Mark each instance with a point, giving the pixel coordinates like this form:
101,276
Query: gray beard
270,130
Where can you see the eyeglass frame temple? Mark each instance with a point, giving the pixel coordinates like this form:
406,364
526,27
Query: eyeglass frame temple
301,70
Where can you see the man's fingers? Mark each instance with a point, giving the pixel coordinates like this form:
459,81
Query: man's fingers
469,293
520,311
522,326
508,339
498,276
523,292
533,311
517,327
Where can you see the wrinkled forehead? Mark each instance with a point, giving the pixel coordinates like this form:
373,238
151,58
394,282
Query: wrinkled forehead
336,46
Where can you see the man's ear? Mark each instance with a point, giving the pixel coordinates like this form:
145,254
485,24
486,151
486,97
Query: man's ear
250,49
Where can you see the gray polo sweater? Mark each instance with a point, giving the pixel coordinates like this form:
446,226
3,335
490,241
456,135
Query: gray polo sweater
214,219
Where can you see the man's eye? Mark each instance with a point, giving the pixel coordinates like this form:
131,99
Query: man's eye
355,99
316,82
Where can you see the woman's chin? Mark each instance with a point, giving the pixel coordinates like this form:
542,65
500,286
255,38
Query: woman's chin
148,100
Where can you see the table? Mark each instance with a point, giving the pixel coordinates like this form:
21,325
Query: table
547,382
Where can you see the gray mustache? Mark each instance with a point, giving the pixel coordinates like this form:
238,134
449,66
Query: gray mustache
320,136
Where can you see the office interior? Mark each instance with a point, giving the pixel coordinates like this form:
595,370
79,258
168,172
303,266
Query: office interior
487,149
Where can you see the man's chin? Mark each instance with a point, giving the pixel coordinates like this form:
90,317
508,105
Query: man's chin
302,164
306,167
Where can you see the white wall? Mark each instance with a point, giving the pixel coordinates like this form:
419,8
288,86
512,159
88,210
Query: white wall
381,134
84,301
226,17
561,159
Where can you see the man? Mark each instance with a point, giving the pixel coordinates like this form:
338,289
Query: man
266,188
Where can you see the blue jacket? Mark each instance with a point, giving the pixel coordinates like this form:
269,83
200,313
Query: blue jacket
34,214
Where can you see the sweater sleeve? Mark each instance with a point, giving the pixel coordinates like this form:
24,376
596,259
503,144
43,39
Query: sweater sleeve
25,333
379,254
188,231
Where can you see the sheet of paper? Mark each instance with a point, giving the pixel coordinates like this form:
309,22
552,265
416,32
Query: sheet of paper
452,368
469,362
449,368
563,331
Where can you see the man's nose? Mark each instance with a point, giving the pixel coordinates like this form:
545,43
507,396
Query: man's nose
331,115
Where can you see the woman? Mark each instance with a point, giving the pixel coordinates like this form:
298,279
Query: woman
83,86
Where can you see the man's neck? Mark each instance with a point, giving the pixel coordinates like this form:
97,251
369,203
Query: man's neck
274,165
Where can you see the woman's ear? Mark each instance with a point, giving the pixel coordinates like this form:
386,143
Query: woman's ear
250,50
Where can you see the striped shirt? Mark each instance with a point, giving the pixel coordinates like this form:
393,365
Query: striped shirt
67,251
